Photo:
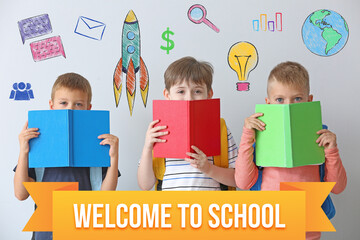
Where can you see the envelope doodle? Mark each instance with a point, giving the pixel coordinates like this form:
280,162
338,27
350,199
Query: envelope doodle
90,28
47,48
34,27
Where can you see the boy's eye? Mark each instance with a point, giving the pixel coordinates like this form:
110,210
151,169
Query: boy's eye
198,91
62,103
180,91
298,99
79,104
279,100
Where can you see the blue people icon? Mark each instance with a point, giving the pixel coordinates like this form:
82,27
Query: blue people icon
21,91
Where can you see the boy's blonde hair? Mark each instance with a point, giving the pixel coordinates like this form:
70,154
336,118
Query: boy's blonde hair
188,69
291,74
72,81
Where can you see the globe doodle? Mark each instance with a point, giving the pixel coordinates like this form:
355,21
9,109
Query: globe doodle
325,32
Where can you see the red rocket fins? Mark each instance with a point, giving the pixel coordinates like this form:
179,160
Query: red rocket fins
117,83
144,81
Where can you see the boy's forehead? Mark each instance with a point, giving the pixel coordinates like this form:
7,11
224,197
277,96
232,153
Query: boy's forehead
64,92
188,83
276,86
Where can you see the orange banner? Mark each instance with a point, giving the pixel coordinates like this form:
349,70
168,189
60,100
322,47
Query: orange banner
42,194
179,215
316,193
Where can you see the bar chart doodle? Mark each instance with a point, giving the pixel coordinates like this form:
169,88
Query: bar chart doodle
265,25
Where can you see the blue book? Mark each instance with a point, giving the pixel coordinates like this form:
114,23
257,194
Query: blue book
69,138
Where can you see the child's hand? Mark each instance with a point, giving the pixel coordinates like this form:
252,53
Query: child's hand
253,122
113,141
25,135
327,139
153,133
199,160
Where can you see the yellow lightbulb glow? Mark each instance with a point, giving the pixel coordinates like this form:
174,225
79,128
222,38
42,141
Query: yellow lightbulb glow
243,58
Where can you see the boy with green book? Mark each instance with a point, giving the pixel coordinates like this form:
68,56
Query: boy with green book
288,83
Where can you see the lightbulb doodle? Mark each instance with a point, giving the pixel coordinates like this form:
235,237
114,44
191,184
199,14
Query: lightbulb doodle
130,64
265,25
243,58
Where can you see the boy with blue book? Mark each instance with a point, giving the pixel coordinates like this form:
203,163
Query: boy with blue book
70,91
288,83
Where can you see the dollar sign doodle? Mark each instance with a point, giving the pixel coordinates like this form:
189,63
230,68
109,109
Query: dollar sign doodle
170,43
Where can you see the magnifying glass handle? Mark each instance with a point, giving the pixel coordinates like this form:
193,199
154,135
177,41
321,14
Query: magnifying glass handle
210,24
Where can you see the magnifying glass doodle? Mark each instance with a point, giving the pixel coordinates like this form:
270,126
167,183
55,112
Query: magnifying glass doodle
197,14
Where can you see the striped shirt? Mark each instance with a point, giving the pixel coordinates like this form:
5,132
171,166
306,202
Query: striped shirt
180,176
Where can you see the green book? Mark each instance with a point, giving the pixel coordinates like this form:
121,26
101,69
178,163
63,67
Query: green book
289,138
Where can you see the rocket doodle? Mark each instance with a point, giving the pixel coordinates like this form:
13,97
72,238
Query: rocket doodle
130,63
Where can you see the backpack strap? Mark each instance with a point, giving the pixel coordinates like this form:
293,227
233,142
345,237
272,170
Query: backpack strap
222,160
257,185
328,205
96,178
159,171
39,174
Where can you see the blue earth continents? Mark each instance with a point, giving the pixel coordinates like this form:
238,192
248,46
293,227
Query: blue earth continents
325,32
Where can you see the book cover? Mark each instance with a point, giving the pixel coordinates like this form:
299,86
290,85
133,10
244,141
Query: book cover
195,122
289,138
68,138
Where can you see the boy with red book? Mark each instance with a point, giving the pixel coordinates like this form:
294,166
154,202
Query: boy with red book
186,79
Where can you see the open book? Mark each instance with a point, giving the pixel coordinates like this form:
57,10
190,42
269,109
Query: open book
289,138
69,138
195,122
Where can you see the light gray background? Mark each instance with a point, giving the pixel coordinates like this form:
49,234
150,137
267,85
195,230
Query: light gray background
334,80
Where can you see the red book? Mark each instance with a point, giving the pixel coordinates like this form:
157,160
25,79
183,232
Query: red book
195,122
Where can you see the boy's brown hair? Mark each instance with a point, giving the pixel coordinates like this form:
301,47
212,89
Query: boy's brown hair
72,81
290,73
188,69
